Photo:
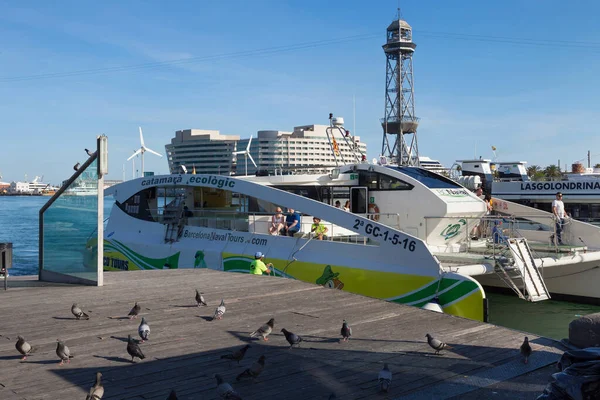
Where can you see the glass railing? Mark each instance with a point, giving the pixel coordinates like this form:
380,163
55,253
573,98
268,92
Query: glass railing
68,250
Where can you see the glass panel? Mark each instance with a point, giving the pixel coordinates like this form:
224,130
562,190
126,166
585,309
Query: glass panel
428,178
69,230
359,200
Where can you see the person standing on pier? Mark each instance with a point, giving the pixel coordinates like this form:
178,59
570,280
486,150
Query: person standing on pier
257,267
558,209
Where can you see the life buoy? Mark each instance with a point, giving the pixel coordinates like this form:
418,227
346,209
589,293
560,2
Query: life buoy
373,212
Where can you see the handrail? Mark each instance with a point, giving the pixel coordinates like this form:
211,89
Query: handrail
51,201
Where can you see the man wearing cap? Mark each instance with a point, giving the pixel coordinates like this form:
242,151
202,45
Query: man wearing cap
257,267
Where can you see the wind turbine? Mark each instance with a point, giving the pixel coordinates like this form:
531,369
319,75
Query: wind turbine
246,153
142,150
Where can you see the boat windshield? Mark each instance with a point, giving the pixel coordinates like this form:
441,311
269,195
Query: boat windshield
428,178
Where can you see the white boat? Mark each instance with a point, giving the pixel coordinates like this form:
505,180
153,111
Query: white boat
508,180
407,238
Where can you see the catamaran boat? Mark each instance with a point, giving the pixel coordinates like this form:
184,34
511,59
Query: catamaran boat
407,237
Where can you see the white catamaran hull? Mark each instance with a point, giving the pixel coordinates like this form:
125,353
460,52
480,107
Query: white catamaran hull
389,264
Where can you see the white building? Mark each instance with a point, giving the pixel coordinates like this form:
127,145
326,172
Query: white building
306,147
19,187
207,151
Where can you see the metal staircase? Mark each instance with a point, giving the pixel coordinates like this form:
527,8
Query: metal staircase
525,268
172,218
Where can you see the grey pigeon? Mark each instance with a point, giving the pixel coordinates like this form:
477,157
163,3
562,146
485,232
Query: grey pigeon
254,371
134,311
385,378
526,350
225,391
134,349
291,338
200,299
220,311
62,351
23,347
264,330
96,391
144,330
435,344
237,355
346,331
78,312
172,395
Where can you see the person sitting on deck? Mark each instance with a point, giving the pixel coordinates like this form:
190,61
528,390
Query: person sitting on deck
257,267
277,223
318,229
292,223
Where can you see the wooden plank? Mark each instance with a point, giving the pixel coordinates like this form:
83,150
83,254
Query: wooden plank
184,349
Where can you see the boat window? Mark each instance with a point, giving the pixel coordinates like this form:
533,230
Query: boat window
428,178
377,181
368,179
310,192
139,205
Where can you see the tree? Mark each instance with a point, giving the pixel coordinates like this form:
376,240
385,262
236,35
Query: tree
552,171
597,166
532,170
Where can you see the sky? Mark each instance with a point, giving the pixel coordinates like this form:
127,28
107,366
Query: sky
518,75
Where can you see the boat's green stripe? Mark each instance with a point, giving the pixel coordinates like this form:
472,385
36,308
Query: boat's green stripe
457,292
427,291
460,290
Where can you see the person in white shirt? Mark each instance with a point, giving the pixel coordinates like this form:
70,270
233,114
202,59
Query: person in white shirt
558,209
277,223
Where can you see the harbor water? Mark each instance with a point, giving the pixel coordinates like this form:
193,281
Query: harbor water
19,225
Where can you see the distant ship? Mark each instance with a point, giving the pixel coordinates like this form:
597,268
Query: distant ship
34,188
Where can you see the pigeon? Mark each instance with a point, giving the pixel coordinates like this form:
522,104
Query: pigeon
78,312
526,350
172,395
237,355
76,166
144,330
291,337
23,347
385,378
62,351
96,391
200,299
264,330
89,153
225,391
220,311
134,311
346,331
134,349
435,344
254,371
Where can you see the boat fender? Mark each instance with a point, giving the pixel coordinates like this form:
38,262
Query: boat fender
433,305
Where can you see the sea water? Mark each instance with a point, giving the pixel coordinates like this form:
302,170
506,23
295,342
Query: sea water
19,225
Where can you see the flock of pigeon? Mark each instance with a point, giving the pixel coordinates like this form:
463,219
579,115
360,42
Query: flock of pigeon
224,389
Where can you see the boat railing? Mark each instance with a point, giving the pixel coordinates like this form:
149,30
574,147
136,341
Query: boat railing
492,232
260,223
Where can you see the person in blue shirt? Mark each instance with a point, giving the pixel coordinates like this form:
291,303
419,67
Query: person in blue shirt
292,222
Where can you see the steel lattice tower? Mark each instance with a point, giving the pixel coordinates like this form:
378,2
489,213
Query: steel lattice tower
400,123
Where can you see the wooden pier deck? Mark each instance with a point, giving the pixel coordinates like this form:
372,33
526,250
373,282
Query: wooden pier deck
185,347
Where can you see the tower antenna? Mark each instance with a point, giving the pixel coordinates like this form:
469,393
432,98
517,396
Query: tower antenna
400,123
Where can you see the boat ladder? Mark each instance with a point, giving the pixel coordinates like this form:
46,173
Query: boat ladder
524,264
173,217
